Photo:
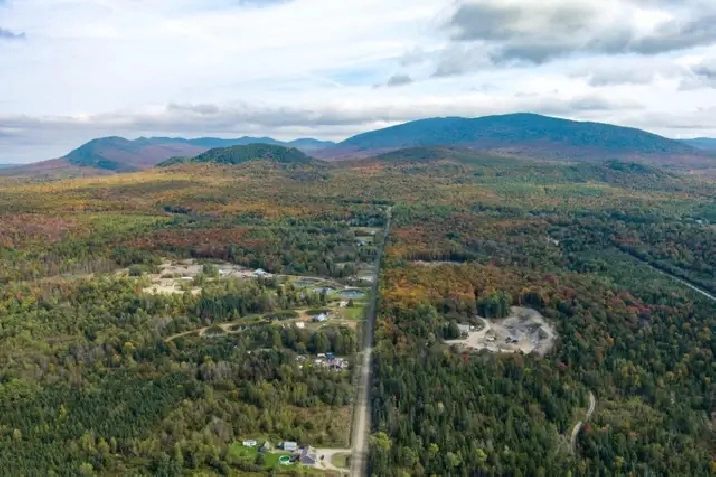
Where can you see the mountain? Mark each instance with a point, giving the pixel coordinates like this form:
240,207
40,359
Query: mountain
115,154
2,166
118,154
705,143
524,134
246,153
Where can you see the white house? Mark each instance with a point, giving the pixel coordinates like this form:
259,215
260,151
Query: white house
320,317
290,446
250,443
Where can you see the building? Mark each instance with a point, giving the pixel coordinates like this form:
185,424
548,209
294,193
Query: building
265,447
330,356
465,328
249,443
289,446
321,317
308,456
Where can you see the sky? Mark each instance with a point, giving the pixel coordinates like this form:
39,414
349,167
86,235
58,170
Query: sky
72,70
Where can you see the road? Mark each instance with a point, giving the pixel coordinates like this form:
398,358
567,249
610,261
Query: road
578,426
361,412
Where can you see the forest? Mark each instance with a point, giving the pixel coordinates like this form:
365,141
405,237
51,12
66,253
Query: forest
101,376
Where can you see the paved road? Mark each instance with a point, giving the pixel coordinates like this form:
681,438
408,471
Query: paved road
578,426
361,412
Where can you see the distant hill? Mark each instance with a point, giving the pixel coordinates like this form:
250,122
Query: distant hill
706,143
246,153
531,135
115,154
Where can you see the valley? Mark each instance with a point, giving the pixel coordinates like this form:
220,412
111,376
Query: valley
423,311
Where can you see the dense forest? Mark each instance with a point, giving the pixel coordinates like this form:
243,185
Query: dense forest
103,373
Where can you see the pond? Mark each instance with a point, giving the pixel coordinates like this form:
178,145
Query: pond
305,282
351,293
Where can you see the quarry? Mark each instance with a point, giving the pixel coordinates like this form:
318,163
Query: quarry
523,330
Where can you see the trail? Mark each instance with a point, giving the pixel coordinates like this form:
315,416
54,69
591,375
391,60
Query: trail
361,412
578,426
682,281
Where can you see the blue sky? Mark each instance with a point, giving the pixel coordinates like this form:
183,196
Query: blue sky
71,70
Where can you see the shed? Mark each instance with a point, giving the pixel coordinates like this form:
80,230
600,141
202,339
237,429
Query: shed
290,446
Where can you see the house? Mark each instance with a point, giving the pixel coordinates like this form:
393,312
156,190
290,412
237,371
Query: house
289,446
300,325
308,456
249,443
321,317
321,355
265,447
464,328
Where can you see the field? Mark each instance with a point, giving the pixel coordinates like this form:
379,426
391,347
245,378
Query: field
139,336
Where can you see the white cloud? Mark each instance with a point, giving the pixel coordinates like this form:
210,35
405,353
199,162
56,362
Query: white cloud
288,68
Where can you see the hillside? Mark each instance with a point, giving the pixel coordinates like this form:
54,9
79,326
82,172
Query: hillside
439,154
531,135
245,153
706,143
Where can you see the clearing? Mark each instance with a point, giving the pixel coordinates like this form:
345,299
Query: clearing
523,330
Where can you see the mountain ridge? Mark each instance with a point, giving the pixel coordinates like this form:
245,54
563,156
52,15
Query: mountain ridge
527,135
705,143
509,130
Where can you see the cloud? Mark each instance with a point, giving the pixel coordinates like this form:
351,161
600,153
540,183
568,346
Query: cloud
10,35
296,68
538,31
701,75
629,70
399,80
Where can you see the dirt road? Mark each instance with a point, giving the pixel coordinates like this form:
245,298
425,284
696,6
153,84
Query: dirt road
361,413
578,426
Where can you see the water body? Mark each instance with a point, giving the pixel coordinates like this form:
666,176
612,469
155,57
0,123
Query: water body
351,294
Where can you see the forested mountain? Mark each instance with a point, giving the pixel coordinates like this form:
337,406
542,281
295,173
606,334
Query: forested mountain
517,129
116,154
242,154
529,135
706,143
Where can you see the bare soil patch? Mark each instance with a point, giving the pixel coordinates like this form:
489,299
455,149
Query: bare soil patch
524,330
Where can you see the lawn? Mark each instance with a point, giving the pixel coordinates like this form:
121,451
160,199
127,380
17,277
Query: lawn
341,461
240,452
354,313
